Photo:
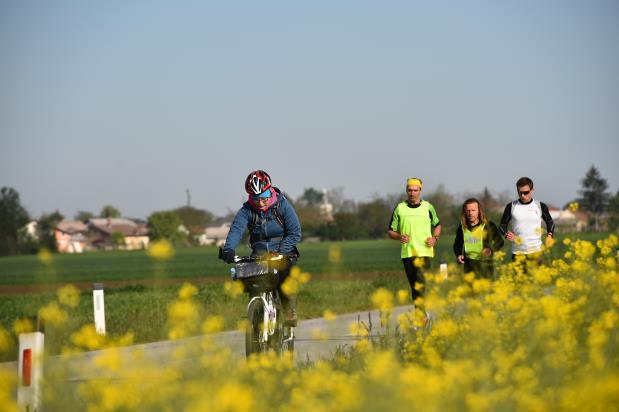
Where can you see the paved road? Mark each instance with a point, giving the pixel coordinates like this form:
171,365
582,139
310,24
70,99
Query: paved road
315,339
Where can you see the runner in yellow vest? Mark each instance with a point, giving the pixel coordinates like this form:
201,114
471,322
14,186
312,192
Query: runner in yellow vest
476,240
416,225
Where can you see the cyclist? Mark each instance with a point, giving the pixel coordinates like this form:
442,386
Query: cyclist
273,227
415,224
477,238
526,216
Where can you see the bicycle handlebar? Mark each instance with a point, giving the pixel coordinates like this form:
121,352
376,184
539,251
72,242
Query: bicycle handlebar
262,258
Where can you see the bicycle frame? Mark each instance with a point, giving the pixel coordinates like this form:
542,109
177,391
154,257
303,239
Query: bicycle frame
266,329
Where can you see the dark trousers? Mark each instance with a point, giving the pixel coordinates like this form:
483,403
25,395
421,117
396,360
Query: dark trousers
527,261
414,273
482,268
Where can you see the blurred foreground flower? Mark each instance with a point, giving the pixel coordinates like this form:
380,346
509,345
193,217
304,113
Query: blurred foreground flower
23,325
328,315
6,342
292,283
45,256
233,288
52,314
187,291
161,250
69,295
335,254
382,299
213,324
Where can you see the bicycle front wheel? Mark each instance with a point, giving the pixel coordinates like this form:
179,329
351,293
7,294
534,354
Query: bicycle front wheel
254,333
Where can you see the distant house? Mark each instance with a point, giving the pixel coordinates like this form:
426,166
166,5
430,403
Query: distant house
107,233
32,229
70,236
214,235
566,220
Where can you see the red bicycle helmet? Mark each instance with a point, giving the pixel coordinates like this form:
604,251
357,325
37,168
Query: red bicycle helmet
257,182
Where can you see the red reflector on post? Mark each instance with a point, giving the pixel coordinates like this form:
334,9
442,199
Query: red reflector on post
26,373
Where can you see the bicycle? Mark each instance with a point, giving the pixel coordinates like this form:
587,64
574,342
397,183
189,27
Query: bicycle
265,329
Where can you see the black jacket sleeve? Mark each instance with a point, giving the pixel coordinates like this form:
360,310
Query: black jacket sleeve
459,242
492,237
550,224
507,216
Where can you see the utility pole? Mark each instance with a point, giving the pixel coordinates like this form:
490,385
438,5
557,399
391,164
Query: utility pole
188,198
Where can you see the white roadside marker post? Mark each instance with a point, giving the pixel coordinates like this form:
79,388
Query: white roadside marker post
99,308
443,270
30,370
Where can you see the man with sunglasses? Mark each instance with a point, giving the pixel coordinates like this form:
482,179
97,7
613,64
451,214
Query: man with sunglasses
415,224
526,216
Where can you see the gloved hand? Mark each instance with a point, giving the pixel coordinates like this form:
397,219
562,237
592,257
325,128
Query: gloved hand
227,255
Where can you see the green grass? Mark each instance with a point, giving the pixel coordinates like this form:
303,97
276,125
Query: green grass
143,309
356,256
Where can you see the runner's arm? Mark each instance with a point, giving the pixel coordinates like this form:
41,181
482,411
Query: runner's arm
550,224
493,239
458,245
505,219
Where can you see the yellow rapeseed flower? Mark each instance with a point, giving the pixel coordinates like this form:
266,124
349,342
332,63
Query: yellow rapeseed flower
358,329
88,338
403,296
481,285
290,286
583,249
329,315
233,288
45,256
53,315
444,328
69,295
22,325
6,343
213,324
469,277
187,291
161,250
382,299
335,254
8,382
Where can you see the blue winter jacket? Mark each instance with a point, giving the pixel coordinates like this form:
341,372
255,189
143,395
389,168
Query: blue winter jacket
267,235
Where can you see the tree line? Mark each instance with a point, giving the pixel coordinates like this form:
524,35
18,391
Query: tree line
331,218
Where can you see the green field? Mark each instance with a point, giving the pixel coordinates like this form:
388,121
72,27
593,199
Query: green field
359,256
356,256
142,309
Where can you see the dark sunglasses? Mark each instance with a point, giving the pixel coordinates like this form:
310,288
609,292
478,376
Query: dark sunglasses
524,192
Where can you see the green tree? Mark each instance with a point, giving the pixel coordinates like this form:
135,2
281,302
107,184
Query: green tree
446,208
345,226
46,226
311,197
118,239
164,225
192,217
13,217
594,196
83,216
613,212
109,211
374,217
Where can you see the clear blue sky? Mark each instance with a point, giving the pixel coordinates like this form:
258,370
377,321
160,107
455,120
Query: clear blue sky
132,103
